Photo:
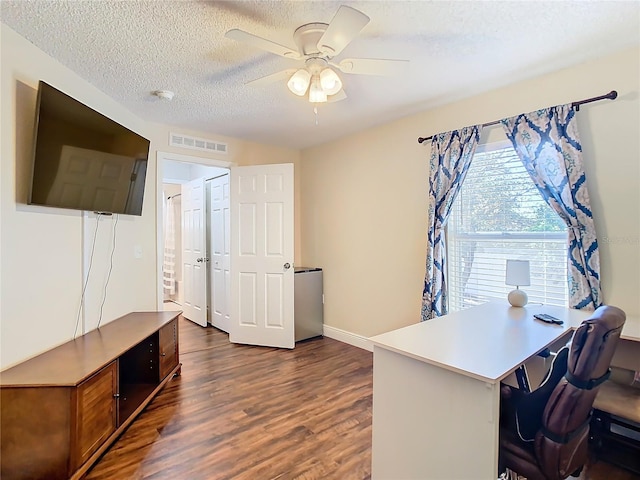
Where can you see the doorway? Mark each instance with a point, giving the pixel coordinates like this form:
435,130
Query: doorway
260,220
190,292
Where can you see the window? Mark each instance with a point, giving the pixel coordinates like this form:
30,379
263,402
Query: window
500,215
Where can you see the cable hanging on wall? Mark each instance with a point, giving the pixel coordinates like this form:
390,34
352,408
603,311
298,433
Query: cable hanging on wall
86,282
106,285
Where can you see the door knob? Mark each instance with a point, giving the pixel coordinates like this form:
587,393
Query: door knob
287,266
199,260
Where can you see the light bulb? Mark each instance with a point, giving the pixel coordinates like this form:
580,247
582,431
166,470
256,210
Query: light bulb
299,82
316,94
330,81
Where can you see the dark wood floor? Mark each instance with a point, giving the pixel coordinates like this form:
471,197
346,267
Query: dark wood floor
255,413
240,412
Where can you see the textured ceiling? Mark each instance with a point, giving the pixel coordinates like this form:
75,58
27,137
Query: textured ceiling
456,49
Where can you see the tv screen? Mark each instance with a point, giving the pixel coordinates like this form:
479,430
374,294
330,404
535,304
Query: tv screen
83,160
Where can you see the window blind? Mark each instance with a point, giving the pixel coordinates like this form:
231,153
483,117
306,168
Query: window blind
498,215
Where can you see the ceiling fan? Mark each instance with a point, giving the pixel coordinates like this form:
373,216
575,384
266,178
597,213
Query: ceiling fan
318,44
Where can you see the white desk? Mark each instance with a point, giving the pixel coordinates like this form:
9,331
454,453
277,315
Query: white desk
631,329
627,353
436,388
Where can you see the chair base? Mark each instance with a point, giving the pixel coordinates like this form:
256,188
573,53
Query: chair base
510,475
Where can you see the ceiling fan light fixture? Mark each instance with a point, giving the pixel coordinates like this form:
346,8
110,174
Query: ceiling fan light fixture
318,43
299,82
316,93
330,81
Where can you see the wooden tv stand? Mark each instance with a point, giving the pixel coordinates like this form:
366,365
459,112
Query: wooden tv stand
61,410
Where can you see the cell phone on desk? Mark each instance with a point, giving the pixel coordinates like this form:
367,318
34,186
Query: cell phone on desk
545,317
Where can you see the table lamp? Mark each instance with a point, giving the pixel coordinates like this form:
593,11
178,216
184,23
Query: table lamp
518,276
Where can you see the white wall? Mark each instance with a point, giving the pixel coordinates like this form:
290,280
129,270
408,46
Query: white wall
181,172
365,196
43,251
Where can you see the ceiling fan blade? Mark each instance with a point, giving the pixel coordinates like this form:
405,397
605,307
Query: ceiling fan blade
274,77
345,25
373,66
341,95
262,43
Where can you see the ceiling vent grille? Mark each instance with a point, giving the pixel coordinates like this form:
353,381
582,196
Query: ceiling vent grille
195,143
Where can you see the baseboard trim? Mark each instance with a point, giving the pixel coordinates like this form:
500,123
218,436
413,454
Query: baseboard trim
348,337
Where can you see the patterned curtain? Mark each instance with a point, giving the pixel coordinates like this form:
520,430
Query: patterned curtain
548,144
451,155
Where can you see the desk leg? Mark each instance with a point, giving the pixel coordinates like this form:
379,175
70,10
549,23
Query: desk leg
431,423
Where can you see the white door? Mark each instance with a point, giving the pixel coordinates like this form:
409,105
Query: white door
194,271
262,255
220,248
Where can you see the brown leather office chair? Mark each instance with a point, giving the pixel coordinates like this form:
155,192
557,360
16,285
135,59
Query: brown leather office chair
544,433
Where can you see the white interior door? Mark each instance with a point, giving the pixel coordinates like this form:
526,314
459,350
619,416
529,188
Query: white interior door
194,272
262,255
220,250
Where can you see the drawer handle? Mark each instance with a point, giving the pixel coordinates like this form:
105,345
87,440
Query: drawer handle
116,395
163,354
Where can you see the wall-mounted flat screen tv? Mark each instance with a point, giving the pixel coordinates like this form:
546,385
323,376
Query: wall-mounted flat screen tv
83,160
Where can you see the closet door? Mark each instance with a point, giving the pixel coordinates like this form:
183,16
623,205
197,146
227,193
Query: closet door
220,252
194,258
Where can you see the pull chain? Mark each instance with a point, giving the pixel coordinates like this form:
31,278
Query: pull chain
315,111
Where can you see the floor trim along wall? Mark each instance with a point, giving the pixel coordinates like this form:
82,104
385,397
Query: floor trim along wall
348,337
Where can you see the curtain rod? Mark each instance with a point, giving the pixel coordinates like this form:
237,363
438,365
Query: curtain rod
611,96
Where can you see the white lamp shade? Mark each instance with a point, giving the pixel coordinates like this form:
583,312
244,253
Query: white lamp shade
330,81
299,82
518,273
316,94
